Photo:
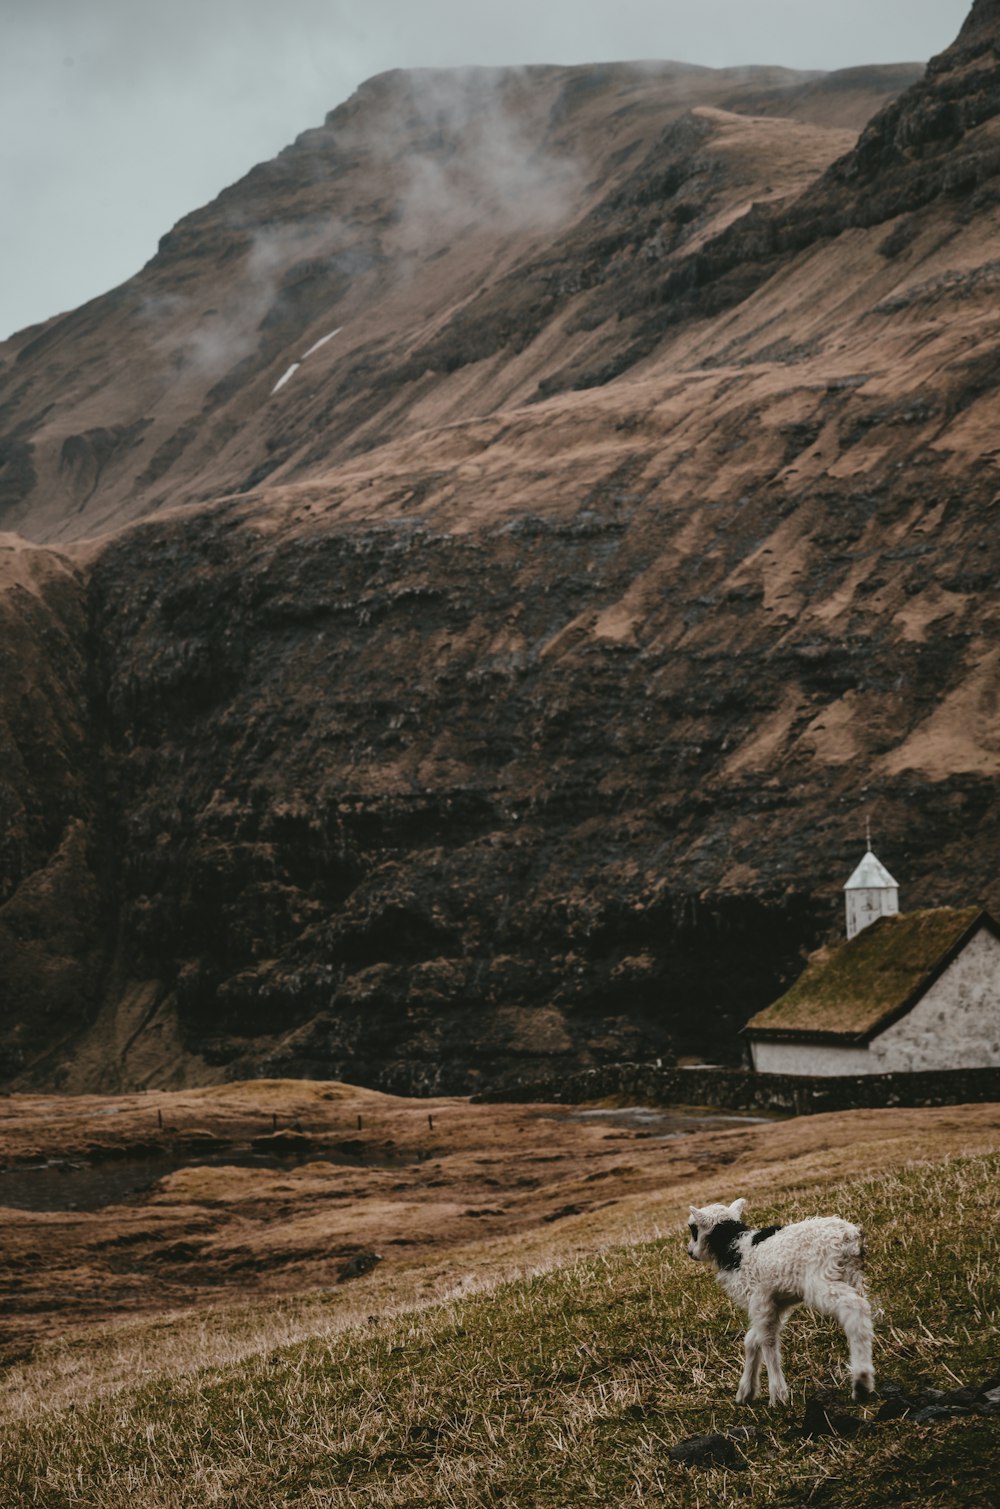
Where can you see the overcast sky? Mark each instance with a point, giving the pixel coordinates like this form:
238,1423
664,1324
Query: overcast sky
117,117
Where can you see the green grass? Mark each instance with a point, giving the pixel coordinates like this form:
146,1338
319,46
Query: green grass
566,1388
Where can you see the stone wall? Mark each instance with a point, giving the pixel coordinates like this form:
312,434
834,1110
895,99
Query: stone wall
744,1090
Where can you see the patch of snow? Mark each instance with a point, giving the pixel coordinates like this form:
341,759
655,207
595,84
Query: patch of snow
296,365
322,341
285,376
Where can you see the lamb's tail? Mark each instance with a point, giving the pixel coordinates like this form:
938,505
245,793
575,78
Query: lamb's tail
853,1253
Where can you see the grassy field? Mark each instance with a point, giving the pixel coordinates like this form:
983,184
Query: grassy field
566,1387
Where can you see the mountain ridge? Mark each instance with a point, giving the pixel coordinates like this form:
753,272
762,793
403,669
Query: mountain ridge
357,216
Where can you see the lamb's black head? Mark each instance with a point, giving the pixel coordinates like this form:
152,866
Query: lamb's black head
713,1228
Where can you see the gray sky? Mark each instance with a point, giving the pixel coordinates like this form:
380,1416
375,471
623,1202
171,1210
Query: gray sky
117,117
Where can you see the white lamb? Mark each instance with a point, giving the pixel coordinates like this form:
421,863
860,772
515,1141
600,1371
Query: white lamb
772,1269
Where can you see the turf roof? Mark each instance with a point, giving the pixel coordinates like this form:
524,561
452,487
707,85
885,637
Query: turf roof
856,989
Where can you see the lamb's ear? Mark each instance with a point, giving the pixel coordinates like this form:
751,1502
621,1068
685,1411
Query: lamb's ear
698,1216
736,1209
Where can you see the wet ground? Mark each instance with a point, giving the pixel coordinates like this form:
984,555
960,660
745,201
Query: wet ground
55,1184
66,1184
663,1125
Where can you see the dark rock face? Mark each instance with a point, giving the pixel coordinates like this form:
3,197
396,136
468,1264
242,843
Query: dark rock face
56,908
345,827
983,17
369,829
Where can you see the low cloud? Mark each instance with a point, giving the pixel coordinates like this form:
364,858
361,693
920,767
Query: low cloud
205,343
119,118
475,157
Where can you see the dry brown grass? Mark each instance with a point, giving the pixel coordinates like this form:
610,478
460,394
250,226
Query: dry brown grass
559,1388
108,1299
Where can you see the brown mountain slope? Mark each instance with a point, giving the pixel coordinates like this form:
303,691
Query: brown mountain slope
544,729
506,191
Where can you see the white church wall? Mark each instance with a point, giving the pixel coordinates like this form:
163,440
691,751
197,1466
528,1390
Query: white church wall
812,1058
956,1024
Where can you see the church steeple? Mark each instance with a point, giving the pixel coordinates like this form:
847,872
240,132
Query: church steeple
871,891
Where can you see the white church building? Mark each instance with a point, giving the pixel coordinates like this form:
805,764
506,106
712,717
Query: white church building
906,991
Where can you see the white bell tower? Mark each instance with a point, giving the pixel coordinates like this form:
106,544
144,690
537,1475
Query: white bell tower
871,891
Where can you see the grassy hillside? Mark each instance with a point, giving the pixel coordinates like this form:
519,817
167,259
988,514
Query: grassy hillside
567,1387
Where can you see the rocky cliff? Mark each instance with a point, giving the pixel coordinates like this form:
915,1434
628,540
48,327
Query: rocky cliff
512,685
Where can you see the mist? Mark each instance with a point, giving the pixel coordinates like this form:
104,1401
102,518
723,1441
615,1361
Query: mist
121,116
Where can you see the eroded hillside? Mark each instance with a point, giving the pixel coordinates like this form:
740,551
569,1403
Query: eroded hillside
517,692
423,256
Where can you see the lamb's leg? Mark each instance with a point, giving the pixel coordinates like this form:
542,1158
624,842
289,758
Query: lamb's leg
765,1318
750,1382
854,1313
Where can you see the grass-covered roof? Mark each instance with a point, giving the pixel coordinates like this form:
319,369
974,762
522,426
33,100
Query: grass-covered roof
855,990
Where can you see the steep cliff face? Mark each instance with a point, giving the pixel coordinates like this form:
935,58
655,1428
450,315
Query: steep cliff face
516,697
418,803
56,913
386,800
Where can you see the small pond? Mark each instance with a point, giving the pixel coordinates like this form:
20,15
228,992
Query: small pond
664,1124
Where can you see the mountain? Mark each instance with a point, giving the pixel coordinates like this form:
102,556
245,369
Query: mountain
488,564
438,223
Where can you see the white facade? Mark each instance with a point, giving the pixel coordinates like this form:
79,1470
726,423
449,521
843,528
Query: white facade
954,1025
870,893
810,1058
